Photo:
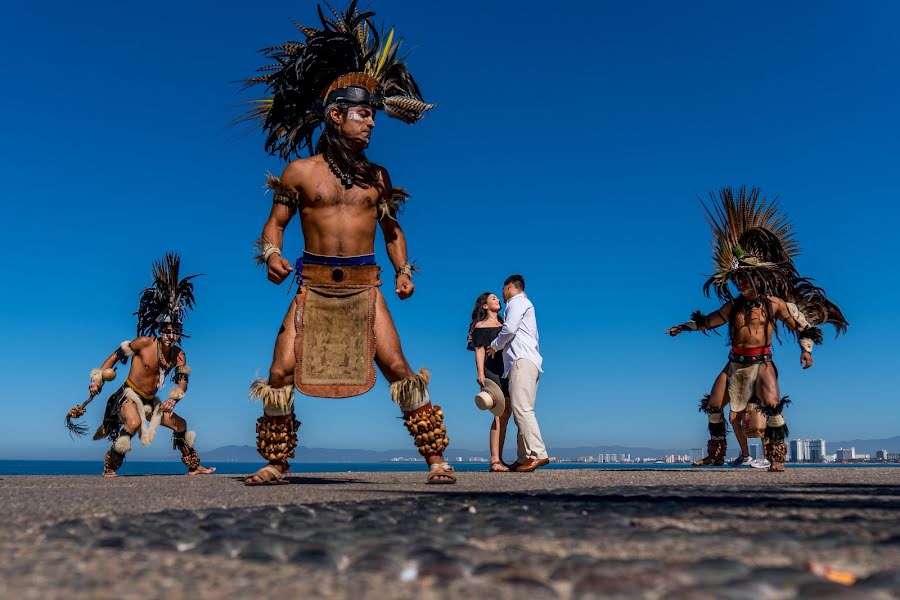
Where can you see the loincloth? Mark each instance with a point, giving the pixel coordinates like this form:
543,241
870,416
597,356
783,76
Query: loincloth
743,371
335,324
149,407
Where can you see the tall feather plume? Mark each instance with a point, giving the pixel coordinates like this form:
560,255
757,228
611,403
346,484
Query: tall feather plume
743,216
754,235
167,295
347,42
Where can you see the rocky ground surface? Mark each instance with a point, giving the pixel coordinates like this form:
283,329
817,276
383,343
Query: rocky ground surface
674,534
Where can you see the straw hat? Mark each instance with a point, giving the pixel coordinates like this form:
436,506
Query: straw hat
491,398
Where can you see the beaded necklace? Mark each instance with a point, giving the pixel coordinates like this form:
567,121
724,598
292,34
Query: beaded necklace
346,178
164,363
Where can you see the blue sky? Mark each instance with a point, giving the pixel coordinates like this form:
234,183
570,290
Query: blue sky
571,143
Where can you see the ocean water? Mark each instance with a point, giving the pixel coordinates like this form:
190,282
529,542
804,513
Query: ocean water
140,467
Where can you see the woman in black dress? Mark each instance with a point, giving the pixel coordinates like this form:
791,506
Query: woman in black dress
485,326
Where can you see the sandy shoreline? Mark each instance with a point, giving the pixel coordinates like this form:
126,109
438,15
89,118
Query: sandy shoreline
556,534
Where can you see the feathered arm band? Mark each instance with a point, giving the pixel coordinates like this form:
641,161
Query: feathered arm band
182,372
698,322
265,249
281,193
406,269
124,352
809,337
391,207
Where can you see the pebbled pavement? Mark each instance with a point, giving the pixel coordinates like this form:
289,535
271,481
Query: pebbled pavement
691,534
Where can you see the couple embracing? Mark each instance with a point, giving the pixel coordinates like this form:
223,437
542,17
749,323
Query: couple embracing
508,362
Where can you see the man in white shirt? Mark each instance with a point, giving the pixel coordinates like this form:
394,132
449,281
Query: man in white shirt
518,340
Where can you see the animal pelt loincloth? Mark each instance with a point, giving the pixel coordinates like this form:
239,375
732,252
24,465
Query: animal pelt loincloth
335,324
743,371
149,407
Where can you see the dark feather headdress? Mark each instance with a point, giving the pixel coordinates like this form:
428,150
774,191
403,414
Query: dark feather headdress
754,236
343,62
750,234
167,300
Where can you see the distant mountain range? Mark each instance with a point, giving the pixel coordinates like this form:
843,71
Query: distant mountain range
248,453
866,446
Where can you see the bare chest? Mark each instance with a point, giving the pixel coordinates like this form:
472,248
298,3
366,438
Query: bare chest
755,318
153,359
147,361
327,193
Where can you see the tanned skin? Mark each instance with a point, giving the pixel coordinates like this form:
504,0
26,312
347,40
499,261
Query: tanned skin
338,222
750,331
144,374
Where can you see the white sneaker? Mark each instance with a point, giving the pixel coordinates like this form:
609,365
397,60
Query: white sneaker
741,461
760,463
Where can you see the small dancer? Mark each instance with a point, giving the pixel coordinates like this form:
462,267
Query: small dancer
153,354
754,248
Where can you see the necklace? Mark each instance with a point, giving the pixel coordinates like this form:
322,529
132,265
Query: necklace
346,178
164,364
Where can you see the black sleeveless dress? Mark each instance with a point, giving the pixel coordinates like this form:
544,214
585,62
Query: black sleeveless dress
493,367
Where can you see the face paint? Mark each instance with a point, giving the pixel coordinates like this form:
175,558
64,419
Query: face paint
353,115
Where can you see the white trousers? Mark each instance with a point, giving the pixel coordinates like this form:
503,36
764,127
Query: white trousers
523,380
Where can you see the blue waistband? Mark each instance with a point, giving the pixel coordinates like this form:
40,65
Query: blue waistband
334,261
331,261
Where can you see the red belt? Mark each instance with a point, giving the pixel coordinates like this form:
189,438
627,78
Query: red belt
752,351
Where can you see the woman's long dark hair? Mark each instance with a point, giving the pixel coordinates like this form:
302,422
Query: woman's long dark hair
479,314
346,158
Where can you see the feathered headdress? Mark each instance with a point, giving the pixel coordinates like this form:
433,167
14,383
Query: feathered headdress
167,300
753,235
750,233
343,62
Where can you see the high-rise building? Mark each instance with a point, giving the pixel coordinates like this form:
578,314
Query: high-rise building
807,450
696,454
799,450
845,454
817,450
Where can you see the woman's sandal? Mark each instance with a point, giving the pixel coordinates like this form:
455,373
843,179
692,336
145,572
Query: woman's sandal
441,474
502,468
268,475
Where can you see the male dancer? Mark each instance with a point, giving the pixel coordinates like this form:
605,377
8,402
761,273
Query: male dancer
154,354
339,321
754,249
